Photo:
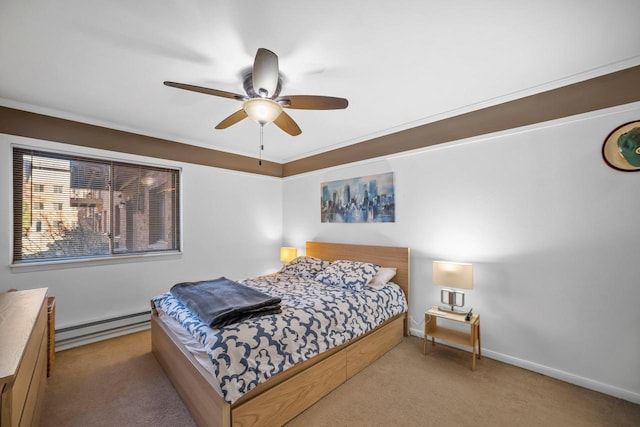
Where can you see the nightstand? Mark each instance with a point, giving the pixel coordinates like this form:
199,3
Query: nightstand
434,330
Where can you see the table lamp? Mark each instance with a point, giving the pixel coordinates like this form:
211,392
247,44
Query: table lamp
287,254
452,275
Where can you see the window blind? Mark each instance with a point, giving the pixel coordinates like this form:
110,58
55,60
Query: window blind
68,207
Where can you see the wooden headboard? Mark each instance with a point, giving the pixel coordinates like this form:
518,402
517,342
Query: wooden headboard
384,256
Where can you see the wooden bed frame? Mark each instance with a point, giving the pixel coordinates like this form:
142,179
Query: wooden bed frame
288,394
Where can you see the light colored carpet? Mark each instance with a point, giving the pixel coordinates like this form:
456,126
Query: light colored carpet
111,383
119,383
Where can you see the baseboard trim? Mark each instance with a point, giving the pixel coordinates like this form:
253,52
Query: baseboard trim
548,371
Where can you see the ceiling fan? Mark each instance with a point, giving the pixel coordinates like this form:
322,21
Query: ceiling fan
262,102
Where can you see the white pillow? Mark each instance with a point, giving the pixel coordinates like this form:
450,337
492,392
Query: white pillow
382,277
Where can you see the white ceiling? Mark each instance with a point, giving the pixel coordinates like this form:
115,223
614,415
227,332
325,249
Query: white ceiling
399,63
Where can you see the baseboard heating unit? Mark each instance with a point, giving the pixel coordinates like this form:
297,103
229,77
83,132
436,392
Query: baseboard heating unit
74,336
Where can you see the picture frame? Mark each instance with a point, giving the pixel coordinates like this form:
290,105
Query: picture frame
366,199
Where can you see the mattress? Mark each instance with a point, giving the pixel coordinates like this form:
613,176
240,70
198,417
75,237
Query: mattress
315,317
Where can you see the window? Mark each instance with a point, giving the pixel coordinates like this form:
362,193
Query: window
100,208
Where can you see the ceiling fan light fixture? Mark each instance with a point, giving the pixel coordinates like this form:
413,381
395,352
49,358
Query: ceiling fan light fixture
262,110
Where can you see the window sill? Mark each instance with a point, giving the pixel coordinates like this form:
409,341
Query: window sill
84,262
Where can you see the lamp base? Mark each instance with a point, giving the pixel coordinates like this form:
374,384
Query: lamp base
452,309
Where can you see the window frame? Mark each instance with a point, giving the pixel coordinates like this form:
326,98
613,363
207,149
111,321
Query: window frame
113,256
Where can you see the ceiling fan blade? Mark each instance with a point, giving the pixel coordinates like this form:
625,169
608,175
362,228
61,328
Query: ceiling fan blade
265,73
206,90
287,124
312,102
232,119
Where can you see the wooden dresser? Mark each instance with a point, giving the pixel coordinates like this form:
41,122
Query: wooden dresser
23,356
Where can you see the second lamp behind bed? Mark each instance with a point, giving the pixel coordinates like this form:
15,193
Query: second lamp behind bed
288,253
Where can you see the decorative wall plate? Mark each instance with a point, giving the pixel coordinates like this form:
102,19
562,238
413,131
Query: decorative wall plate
621,149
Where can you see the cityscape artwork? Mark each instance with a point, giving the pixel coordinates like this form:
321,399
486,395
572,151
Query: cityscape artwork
363,199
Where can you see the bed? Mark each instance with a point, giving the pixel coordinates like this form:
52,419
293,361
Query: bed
287,394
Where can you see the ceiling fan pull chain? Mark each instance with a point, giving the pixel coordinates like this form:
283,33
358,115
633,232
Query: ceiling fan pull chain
261,145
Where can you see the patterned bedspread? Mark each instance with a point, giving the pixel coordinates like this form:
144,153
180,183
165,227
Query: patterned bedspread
315,317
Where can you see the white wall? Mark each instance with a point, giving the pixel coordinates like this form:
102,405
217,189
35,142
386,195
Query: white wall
551,229
232,226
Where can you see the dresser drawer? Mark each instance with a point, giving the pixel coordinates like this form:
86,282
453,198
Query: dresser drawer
23,357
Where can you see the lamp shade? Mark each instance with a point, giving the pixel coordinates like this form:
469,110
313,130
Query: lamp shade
287,254
453,274
262,110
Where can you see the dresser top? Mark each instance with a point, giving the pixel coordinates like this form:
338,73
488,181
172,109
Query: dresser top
18,314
